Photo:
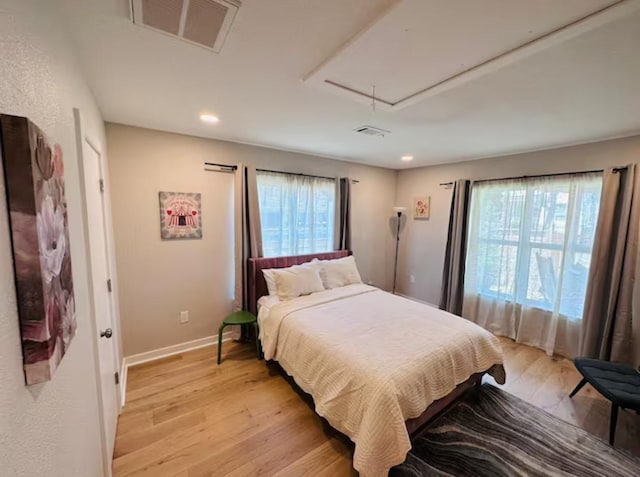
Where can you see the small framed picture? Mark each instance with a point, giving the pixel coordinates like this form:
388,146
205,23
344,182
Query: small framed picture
421,207
180,215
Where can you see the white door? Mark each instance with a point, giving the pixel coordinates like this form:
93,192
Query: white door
103,303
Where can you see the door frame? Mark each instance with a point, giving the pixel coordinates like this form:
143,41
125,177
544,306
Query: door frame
82,141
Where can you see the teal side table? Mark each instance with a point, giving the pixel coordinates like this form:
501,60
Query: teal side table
238,318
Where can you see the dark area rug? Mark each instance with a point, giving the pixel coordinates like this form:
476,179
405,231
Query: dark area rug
492,433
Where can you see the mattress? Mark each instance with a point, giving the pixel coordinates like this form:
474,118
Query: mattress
372,360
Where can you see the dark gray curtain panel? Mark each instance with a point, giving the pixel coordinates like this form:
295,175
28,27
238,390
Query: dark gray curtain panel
607,324
453,271
248,242
343,217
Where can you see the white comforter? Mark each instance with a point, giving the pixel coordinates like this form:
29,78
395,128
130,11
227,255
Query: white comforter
371,360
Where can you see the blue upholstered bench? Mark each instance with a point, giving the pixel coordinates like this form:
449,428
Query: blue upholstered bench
619,383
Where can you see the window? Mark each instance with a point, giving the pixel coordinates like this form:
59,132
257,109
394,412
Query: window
296,213
530,241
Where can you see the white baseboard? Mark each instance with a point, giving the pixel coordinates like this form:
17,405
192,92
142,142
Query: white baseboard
153,355
123,382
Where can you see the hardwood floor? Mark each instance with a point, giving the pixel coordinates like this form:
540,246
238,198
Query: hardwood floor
186,416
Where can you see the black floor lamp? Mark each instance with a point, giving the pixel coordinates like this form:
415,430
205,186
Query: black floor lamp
398,211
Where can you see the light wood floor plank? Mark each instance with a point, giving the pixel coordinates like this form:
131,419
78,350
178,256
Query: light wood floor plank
321,461
188,417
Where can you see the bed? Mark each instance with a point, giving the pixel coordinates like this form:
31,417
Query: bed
377,365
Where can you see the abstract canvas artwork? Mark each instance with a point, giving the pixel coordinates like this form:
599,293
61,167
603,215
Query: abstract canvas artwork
180,215
34,176
421,207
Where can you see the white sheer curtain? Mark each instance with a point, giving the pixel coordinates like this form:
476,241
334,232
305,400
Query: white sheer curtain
528,258
297,213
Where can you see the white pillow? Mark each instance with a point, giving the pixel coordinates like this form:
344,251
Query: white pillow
296,281
270,278
339,272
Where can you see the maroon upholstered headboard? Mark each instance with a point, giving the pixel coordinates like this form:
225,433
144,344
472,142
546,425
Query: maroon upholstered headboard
257,284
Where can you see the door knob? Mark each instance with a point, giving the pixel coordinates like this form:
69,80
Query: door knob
108,333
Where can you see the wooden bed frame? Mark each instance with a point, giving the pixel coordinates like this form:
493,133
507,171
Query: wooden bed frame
258,288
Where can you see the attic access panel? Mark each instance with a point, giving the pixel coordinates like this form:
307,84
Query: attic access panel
419,48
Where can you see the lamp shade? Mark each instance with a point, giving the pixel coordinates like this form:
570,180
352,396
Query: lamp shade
399,210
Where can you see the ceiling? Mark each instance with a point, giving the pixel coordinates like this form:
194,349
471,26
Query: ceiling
453,80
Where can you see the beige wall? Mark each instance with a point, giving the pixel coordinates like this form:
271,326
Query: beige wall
423,242
52,428
158,279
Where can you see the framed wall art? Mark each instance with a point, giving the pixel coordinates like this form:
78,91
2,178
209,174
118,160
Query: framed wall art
421,207
180,215
34,176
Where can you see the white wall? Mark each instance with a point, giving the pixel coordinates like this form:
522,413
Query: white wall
158,278
49,429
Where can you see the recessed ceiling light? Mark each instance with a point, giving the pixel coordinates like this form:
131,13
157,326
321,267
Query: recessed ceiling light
407,158
209,118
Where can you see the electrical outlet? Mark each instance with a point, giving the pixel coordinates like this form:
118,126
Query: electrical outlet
184,316
412,278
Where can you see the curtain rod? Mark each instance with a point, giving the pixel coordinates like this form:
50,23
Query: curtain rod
230,167
615,169
353,181
233,167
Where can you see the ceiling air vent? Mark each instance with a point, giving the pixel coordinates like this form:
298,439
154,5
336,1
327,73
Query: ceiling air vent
372,131
201,22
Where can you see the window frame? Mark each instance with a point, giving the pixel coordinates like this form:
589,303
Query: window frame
524,248
330,225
